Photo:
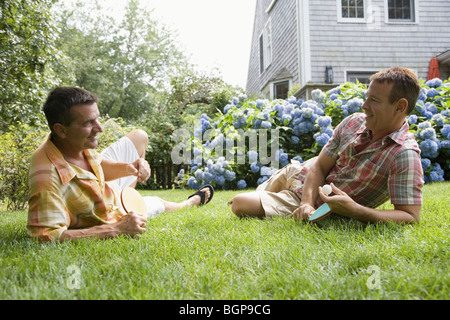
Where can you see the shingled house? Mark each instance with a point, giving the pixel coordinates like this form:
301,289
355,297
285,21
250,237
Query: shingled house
322,43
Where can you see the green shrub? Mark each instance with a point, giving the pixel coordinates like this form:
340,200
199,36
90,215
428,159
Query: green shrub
16,147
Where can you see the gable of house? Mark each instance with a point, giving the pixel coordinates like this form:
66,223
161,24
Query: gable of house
275,39
347,39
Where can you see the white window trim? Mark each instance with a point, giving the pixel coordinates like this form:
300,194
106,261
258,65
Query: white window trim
416,14
360,70
267,50
340,19
270,7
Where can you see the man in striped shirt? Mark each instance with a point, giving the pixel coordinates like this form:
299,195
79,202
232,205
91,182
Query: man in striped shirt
370,159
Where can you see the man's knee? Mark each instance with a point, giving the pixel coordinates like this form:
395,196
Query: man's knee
140,140
247,205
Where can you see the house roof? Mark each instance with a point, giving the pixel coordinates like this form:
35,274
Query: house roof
283,74
444,57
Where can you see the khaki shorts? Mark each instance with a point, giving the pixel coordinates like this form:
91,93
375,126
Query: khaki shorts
279,196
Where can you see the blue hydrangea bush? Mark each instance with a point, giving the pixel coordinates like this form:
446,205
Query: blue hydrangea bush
220,148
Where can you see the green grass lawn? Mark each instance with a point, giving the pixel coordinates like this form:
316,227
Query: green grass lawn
208,253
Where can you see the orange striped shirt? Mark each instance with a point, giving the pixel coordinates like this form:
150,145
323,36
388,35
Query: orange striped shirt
64,196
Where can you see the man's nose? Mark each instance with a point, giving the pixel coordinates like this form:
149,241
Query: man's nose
98,126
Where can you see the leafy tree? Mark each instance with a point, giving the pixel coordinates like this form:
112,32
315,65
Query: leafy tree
27,58
124,62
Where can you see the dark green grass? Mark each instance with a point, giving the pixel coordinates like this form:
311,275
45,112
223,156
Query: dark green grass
208,253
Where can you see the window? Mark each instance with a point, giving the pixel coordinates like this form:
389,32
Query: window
361,76
401,10
265,48
280,90
352,9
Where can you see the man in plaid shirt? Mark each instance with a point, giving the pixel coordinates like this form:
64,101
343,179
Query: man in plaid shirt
370,159
74,190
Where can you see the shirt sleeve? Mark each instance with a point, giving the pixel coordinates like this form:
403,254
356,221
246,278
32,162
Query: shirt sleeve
47,216
406,179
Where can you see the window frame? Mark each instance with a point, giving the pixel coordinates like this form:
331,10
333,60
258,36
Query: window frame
281,82
265,47
342,19
414,13
366,73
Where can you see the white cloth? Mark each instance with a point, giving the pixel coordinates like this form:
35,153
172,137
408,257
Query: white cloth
154,205
124,150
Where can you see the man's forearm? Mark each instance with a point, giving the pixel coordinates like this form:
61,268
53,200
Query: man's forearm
114,170
399,215
314,179
101,232
130,224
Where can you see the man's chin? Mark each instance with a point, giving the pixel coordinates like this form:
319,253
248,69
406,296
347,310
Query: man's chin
91,144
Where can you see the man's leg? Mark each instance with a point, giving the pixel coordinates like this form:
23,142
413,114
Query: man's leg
140,141
247,205
157,205
277,189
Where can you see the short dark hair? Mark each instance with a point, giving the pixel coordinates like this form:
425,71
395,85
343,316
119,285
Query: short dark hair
406,85
57,108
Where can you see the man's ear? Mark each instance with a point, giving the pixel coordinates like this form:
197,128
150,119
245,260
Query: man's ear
402,105
60,130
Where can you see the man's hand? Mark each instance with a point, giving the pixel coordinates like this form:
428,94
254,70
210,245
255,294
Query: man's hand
339,203
131,224
141,169
303,212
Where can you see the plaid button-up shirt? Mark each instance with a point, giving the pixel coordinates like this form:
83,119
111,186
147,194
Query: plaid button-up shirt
64,196
389,168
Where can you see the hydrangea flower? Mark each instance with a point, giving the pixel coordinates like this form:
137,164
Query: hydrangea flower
230,175
318,95
426,163
295,139
436,174
432,93
324,121
445,131
227,108
429,148
242,184
307,113
354,105
321,139
412,119
434,83
428,133
254,167
262,180
266,125
192,183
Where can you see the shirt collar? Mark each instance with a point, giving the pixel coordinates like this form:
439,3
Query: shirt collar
398,136
64,169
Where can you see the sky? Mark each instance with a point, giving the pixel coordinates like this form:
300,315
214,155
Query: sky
213,33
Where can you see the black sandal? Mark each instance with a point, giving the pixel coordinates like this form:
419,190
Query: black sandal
203,193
